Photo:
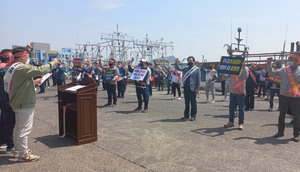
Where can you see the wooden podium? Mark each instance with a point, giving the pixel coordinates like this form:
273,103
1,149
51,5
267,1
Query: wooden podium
77,109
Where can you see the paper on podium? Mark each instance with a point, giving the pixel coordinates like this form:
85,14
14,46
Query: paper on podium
75,88
45,77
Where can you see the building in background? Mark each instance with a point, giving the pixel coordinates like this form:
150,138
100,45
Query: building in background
39,51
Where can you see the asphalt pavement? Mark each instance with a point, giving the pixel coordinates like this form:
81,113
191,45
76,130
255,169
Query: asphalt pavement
159,140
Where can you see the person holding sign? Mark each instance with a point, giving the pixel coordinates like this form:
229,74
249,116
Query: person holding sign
211,77
18,83
110,77
141,77
289,94
237,96
191,82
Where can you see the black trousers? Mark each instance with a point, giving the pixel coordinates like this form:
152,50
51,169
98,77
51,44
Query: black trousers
249,99
59,82
142,94
174,87
262,88
54,80
42,87
223,86
169,86
190,99
293,104
150,88
7,124
121,88
111,93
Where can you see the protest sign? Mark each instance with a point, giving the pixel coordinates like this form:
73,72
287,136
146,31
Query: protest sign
231,65
139,74
274,79
77,62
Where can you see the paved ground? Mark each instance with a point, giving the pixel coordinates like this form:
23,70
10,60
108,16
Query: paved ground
159,140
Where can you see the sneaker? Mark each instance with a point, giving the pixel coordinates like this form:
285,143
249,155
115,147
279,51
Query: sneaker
145,110
107,104
138,109
270,109
179,98
206,101
10,151
3,146
229,124
173,98
213,101
241,127
28,157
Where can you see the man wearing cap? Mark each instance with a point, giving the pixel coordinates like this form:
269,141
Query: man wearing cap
191,82
18,83
141,87
7,116
289,93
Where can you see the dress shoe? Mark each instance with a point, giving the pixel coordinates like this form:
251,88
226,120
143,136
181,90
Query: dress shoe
193,119
278,135
296,139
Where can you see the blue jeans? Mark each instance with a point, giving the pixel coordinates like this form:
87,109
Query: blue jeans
236,99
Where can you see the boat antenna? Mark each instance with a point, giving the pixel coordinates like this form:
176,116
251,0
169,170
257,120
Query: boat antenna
246,34
286,29
231,32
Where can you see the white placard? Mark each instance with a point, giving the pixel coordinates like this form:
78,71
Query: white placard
45,77
139,74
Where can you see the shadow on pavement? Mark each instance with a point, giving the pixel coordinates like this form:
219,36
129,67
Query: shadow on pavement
217,116
6,159
169,120
55,141
124,112
287,125
213,132
265,140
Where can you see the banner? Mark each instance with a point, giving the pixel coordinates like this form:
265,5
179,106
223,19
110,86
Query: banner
139,74
274,79
231,65
109,75
77,62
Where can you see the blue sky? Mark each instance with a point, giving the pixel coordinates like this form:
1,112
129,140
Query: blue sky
197,27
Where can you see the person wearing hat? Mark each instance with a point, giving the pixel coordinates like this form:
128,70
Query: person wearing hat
7,116
289,93
141,87
19,84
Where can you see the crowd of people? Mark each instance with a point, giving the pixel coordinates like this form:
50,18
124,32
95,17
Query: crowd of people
19,75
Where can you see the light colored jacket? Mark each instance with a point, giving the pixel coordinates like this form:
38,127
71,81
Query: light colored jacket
285,83
22,92
195,77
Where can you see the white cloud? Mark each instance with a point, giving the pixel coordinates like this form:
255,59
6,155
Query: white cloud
107,4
